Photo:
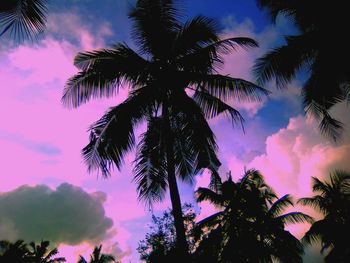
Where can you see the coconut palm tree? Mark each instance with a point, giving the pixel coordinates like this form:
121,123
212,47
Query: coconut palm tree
22,19
173,86
14,252
332,200
41,253
251,219
314,50
98,257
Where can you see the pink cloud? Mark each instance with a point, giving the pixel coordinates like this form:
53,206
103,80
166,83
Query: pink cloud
296,153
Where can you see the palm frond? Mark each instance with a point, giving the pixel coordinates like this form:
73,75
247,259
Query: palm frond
340,180
211,221
317,202
331,127
209,59
200,138
212,107
317,232
284,62
280,205
226,88
215,182
205,194
102,73
317,103
22,19
295,217
150,173
83,86
105,148
155,25
195,34
319,186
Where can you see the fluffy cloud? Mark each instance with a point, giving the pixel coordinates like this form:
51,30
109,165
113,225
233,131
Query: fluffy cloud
299,151
66,215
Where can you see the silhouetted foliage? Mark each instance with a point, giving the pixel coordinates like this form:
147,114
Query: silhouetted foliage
22,19
14,252
321,48
41,253
332,200
250,226
172,58
19,252
98,257
159,244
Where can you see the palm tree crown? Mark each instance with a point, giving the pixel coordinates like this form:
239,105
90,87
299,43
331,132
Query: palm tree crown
173,86
316,50
98,257
251,219
41,254
333,202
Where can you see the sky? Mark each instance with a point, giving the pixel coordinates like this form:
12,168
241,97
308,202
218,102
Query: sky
45,189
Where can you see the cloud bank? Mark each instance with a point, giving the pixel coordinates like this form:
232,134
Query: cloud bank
66,215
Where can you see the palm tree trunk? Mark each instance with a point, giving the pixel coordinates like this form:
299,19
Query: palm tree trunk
181,242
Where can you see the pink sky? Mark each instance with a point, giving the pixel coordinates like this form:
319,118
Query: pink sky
40,140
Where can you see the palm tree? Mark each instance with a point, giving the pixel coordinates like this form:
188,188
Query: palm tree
316,50
98,257
173,86
332,200
22,19
251,219
41,254
14,252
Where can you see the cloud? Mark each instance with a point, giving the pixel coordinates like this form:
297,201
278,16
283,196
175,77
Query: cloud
33,120
239,64
299,151
69,25
66,215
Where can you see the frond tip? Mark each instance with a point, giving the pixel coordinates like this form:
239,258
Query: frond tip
22,19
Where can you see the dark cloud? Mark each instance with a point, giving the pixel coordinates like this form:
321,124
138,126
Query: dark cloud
66,215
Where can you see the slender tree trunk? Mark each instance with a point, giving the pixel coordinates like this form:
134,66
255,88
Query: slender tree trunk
181,242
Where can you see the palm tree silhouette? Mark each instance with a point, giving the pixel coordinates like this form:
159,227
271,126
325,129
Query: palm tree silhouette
251,219
22,19
333,201
173,61
98,257
41,253
14,252
314,50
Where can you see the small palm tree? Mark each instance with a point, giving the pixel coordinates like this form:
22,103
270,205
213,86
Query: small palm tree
22,19
332,200
98,257
251,219
325,58
173,87
14,252
41,253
